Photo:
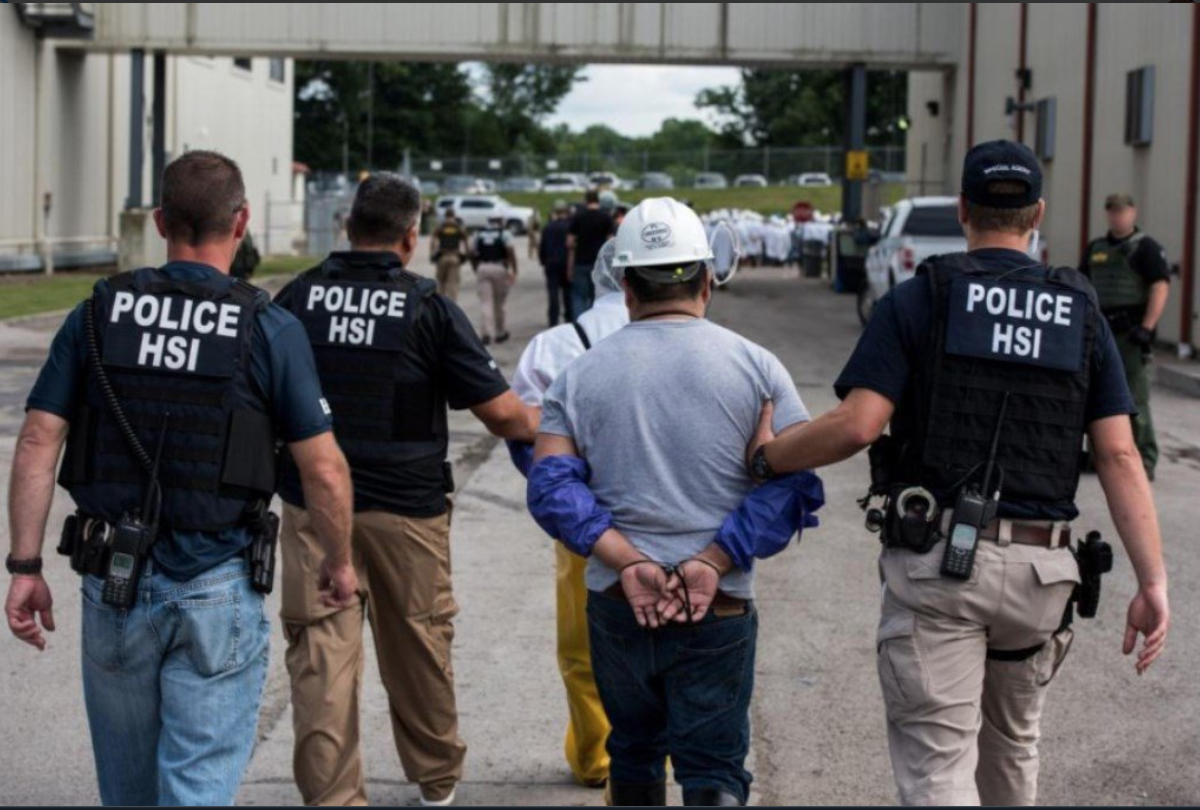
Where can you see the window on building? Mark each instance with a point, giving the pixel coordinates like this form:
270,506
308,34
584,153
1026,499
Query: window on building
1047,126
278,70
1139,106
242,62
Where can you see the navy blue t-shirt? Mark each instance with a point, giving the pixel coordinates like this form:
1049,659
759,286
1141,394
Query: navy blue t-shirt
901,328
283,366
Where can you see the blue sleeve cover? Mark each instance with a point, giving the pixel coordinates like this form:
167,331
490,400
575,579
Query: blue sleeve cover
561,503
763,525
521,454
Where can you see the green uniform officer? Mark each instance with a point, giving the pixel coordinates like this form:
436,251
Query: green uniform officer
1129,270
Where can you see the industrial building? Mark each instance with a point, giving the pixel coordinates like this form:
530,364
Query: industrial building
1105,92
65,135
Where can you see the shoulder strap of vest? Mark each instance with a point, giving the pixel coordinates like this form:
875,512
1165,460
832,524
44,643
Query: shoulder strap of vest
583,335
246,294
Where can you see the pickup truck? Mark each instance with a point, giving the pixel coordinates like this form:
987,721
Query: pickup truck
917,228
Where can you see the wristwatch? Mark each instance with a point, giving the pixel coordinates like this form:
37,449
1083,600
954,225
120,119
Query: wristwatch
760,468
27,568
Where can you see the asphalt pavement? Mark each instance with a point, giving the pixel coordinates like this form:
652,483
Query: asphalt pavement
1110,737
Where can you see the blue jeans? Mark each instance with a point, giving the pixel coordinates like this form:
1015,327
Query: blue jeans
682,691
583,291
173,686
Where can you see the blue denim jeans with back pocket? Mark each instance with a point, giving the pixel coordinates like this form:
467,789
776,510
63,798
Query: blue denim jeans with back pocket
681,691
173,686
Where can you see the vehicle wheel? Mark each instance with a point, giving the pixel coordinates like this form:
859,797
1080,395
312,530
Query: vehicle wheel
866,303
516,227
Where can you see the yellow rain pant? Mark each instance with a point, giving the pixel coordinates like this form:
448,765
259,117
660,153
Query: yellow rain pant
587,731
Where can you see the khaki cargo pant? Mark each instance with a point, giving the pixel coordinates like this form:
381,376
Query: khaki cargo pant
962,728
449,275
404,571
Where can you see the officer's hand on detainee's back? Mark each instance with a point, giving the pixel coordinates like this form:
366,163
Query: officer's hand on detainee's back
763,434
28,598
1149,614
338,584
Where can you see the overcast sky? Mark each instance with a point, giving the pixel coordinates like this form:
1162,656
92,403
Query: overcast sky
636,99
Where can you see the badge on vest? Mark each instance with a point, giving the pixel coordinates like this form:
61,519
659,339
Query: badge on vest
172,333
1017,323
368,316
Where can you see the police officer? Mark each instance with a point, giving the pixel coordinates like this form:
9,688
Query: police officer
448,248
495,264
190,367
1130,273
982,349
392,354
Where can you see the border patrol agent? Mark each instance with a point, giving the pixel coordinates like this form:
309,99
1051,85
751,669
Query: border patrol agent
201,371
449,246
393,355
986,360
1132,279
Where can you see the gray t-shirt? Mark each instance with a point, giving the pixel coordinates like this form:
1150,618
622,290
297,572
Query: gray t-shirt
662,411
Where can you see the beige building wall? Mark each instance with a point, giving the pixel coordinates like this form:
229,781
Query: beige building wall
65,133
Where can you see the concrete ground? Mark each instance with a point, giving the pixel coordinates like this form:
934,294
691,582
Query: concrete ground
819,737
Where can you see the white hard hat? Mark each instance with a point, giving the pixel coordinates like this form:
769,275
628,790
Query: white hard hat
605,277
665,234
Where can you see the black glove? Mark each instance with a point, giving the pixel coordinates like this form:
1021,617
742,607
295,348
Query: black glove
1142,337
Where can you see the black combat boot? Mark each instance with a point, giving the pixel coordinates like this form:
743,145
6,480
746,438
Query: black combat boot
710,797
637,794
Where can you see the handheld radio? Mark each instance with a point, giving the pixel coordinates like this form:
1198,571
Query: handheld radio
974,510
132,538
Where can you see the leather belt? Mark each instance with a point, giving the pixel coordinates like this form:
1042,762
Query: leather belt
1005,531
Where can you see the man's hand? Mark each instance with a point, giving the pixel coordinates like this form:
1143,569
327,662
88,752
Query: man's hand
645,586
1149,615
338,584
763,434
29,596
1143,338
701,581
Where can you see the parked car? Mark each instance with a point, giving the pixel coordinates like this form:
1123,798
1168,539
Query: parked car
750,181
458,184
602,180
657,180
563,184
476,211
711,180
916,229
521,184
814,179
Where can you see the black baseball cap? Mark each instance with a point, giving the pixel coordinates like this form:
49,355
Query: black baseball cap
1001,160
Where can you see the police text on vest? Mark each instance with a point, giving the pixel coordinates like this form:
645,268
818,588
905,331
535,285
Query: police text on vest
1013,306
192,320
355,311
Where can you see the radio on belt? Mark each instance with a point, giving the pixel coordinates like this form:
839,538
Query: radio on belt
973,511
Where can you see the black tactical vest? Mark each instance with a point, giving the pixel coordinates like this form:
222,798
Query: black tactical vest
490,247
995,334
176,352
358,314
449,238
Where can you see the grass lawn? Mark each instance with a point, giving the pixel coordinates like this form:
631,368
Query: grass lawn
30,294
771,200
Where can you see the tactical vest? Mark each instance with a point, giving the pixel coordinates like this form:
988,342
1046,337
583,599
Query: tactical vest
1118,285
449,238
358,316
992,335
179,353
490,247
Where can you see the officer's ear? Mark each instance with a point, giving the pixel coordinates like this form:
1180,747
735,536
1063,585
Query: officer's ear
962,211
241,221
1041,215
412,238
160,223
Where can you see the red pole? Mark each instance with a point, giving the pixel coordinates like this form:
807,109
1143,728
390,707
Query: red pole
1089,115
1193,180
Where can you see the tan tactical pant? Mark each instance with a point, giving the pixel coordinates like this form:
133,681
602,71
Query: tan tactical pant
449,275
962,727
404,572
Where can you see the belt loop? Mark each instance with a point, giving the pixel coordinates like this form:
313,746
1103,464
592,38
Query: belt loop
1058,531
1004,536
